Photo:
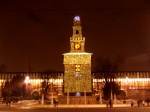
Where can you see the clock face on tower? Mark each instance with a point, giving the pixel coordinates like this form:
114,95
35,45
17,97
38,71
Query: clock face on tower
77,46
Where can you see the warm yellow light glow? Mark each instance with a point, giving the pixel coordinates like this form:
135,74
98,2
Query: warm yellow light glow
55,80
77,46
80,82
77,67
77,58
27,80
1,80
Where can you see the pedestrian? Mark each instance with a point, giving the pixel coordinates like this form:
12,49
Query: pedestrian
132,103
54,102
138,102
110,103
9,101
107,103
143,103
147,101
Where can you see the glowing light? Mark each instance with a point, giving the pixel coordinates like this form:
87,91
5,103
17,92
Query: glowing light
77,58
76,18
27,80
1,80
80,84
127,79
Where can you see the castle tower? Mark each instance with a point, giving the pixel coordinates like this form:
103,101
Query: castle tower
77,63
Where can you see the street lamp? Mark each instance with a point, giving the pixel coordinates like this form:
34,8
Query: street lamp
27,81
100,96
51,91
127,86
43,92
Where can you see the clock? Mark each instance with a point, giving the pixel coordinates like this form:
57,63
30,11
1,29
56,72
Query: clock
77,46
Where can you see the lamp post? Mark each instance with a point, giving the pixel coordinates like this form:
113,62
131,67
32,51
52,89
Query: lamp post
43,92
52,93
1,88
100,96
111,94
127,86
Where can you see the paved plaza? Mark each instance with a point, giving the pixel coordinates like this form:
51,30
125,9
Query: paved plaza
72,108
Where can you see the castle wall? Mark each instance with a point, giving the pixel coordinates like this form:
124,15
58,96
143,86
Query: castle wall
133,83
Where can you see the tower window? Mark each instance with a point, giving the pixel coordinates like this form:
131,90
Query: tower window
77,68
77,32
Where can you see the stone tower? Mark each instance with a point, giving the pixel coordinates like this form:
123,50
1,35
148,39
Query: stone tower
77,63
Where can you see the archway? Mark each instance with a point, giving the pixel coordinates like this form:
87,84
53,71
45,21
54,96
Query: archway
122,94
35,95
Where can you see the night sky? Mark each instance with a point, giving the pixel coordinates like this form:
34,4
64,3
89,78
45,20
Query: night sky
38,32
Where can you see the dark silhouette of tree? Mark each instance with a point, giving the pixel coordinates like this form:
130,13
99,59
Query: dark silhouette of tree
14,87
109,67
109,70
111,87
46,76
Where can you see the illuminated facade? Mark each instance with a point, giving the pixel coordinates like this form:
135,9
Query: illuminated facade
33,81
77,63
135,84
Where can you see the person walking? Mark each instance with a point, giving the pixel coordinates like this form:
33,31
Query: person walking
107,103
138,102
143,103
9,101
54,102
132,103
110,103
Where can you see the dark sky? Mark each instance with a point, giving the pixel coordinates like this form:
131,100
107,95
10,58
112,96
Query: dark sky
38,32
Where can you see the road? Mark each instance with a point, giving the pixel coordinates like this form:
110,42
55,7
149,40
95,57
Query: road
71,109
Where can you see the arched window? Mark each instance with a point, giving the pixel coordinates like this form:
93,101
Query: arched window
77,32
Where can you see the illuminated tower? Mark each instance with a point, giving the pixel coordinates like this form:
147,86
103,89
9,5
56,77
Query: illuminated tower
77,63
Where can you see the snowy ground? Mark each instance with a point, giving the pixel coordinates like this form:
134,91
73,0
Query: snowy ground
28,102
35,102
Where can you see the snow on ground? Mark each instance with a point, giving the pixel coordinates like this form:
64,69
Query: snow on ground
28,102
35,102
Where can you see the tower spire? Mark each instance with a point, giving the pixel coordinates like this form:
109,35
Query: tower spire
77,41
77,21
